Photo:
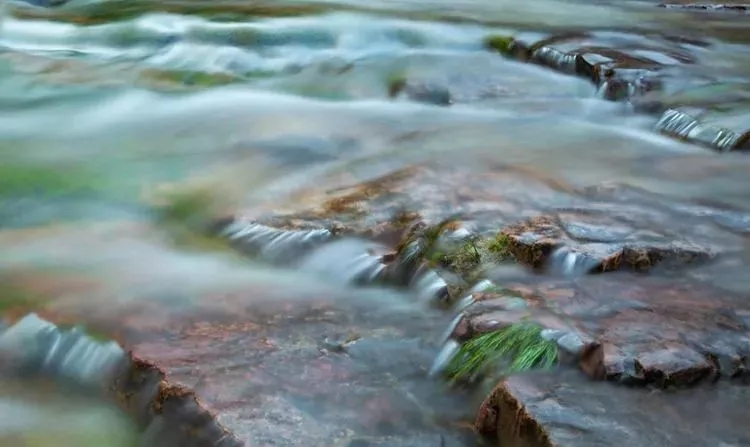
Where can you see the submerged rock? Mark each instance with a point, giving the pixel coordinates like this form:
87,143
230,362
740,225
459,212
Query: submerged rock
429,93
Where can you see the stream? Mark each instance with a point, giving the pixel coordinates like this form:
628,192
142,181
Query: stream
104,104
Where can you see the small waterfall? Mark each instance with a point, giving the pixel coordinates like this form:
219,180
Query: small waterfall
451,327
273,244
429,285
468,300
347,260
37,346
451,346
444,357
679,124
567,262
556,59
615,89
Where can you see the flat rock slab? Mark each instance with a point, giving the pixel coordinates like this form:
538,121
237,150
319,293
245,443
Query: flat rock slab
610,226
565,409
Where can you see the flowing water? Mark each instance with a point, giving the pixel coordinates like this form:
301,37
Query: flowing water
103,102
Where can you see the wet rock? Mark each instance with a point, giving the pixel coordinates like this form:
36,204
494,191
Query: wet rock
667,367
706,7
643,74
481,319
653,332
565,409
683,126
415,212
237,345
491,322
573,343
727,351
632,330
618,75
421,92
608,362
494,302
674,367
576,243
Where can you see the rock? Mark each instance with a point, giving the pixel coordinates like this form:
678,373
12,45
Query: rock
606,228
564,409
602,243
674,366
501,303
167,414
706,7
233,343
635,73
423,92
666,335
683,126
572,343
632,330
727,351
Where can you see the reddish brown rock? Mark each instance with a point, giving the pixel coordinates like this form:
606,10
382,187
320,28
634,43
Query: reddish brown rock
605,242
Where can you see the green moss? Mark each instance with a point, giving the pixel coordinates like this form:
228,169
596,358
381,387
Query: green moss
499,246
464,258
395,83
519,347
422,242
501,44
